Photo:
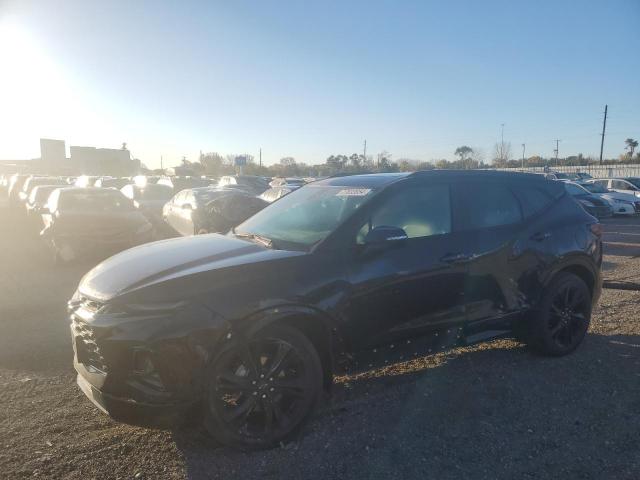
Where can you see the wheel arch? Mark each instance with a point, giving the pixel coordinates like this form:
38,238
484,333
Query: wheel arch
314,324
582,272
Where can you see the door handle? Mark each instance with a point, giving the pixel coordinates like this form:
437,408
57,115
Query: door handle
456,257
540,236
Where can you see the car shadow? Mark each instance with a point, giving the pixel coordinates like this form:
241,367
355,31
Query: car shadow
494,410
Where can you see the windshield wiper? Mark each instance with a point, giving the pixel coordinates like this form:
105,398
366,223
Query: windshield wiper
267,242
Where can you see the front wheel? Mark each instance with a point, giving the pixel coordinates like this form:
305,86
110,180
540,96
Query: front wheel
562,319
262,389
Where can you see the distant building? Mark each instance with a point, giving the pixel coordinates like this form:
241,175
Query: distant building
102,161
53,156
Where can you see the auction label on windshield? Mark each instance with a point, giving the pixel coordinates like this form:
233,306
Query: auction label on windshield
353,192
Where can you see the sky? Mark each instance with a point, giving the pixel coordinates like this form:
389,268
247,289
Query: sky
312,79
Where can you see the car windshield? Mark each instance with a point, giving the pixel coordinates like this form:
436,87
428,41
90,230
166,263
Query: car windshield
595,188
204,196
94,202
306,216
574,189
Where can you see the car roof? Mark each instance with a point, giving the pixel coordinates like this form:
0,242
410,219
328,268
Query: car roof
91,190
375,180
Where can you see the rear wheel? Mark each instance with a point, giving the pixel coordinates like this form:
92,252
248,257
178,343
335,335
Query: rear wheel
560,323
262,389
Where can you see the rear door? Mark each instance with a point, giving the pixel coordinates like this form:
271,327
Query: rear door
491,219
406,287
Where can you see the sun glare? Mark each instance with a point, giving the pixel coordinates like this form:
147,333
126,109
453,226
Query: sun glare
35,97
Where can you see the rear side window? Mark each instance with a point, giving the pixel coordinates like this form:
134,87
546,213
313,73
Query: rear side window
621,185
488,205
532,199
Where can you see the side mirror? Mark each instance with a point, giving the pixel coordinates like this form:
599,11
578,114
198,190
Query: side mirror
384,233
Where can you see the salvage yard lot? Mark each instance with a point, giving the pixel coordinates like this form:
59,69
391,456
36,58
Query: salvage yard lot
491,411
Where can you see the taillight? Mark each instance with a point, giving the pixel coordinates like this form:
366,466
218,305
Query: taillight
596,229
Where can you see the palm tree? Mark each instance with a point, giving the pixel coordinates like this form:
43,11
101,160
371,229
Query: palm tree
631,146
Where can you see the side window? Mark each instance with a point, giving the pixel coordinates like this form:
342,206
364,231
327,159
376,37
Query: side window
532,199
489,205
621,185
419,211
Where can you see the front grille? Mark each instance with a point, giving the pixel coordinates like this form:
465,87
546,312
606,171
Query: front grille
636,205
86,345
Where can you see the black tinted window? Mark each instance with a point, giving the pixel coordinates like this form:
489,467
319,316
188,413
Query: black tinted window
488,205
532,199
419,211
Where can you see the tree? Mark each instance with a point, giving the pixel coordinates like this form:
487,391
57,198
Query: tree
463,152
501,153
631,146
213,163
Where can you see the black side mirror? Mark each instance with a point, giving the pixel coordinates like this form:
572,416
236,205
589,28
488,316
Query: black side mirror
384,233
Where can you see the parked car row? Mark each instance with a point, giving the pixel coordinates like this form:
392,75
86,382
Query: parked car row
80,215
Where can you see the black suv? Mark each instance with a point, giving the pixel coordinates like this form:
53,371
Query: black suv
248,326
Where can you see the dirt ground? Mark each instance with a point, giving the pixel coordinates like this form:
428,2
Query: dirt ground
490,411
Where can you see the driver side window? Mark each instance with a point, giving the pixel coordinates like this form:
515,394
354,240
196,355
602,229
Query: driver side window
419,211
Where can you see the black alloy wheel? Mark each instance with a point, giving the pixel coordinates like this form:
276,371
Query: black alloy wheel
262,389
562,321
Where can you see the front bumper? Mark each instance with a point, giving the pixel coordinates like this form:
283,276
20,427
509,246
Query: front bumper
127,409
600,211
142,365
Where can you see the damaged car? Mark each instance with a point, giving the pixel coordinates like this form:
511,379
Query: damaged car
149,198
247,328
197,211
82,221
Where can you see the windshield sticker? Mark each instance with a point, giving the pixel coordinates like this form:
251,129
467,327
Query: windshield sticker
353,192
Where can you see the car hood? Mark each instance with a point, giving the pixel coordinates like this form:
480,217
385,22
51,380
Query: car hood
627,197
158,262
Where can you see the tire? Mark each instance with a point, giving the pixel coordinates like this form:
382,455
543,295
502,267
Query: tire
562,318
261,390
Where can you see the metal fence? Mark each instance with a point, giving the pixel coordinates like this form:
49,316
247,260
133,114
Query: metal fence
596,171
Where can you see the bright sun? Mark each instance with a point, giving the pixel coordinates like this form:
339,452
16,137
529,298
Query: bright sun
33,93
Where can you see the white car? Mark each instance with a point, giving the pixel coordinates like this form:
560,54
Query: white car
622,203
630,185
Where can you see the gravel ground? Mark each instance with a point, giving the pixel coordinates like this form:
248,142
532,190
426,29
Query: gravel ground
489,411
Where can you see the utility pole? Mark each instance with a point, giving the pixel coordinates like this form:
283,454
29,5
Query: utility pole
523,147
556,152
502,155
161,166
364,152
604,127
261,156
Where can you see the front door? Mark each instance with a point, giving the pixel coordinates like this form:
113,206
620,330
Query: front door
402,288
